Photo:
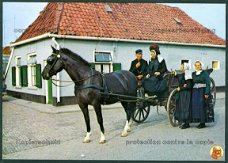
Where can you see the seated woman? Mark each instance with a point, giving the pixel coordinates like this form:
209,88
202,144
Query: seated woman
183,97
200,94
154,84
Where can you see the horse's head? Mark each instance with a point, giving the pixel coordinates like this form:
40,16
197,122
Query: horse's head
54,64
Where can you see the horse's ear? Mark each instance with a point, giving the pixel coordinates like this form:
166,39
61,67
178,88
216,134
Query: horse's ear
54,50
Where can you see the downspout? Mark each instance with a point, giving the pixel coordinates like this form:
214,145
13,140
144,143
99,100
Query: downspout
57,75
7,67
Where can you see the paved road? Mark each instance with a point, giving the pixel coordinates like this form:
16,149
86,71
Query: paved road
37,131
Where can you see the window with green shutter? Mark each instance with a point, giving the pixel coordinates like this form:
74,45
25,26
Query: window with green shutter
14,76
24,76
116,66
38,76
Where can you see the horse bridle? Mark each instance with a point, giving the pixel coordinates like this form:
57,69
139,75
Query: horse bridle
57,56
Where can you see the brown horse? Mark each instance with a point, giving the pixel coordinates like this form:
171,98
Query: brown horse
91,86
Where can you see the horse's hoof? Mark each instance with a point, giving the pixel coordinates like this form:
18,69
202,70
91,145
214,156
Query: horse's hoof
87,141
124,134
102,141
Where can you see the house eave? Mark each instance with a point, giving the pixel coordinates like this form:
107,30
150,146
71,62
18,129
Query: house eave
47,35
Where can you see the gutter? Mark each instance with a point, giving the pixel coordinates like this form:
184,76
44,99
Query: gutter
48,35
7,67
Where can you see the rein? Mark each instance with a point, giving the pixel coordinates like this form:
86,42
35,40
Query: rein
72,82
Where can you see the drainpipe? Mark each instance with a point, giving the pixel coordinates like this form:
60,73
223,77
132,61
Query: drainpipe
8,64
57,75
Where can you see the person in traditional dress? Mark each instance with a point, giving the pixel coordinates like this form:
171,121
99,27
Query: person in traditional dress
200,94
183,97
139,66
154,84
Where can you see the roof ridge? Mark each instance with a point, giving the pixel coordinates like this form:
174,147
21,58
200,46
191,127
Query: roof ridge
61,5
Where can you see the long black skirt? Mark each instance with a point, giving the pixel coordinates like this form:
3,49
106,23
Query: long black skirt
154,86
183,106
198,105
202,110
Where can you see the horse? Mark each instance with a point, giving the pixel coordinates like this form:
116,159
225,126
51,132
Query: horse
93,88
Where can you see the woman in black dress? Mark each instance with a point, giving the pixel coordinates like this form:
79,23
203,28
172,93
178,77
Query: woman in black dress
200,94
154,84
183,97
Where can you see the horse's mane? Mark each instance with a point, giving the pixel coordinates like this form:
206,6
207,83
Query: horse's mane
74,56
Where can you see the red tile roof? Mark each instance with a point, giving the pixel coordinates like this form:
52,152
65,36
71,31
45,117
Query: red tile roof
140,21
6,50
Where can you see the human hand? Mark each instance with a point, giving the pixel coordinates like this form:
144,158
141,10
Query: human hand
157,73
140,77
174,73
137,65
178,89
206,97
148,76
185,85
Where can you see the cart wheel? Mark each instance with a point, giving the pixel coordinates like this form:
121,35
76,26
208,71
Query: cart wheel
213,91
141,112
171,108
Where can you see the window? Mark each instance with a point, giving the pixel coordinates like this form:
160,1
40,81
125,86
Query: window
34,72
216,65
187,61
103,62
103,57
31,70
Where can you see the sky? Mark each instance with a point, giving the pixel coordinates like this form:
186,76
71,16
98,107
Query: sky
17,16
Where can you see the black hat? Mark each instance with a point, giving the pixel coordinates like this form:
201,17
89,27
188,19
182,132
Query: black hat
155,47
139,51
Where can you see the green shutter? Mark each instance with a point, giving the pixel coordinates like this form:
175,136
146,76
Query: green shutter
38,76
92,65
14,76
116,66
24,76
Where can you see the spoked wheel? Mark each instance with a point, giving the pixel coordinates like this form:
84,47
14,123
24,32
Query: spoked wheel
171,108
213,91
141,112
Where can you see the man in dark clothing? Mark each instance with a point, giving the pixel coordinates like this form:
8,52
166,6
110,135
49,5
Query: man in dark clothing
139,67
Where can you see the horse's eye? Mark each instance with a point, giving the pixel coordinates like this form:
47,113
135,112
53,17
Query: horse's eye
50,60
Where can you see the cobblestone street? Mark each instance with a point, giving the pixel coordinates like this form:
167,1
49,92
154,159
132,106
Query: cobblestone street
37,131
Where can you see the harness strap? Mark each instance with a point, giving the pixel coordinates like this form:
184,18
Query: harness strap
89,86
86,86
104,85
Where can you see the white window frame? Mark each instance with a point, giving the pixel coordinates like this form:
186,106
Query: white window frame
31,71
189,63
103,63
18,72
218,68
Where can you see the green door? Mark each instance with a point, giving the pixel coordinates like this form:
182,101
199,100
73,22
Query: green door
50,99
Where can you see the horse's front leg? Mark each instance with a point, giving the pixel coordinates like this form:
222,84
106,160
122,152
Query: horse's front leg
97,108
85,111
